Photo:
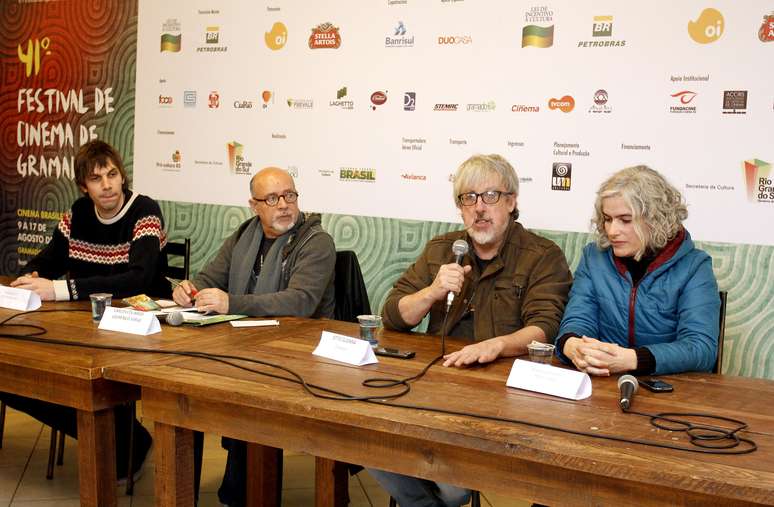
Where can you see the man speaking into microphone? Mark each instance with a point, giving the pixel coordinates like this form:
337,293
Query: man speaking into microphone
508,289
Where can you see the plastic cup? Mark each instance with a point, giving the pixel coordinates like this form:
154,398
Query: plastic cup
98,303
540,352
369,328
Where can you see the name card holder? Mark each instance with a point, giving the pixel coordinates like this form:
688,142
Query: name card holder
18,299
345,349
129,321
547,379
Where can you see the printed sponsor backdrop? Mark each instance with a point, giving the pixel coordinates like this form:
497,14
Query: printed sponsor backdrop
426,145
374,104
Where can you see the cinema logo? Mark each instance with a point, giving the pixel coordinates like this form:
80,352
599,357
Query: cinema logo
757,176
172,165
565,104
340,103
601,31
399,38
211,40
684,98
600,103
735,102
325,36
236,160
359,174
171,38
561,176
522,108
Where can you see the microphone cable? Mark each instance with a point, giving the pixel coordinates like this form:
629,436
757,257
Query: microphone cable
694,431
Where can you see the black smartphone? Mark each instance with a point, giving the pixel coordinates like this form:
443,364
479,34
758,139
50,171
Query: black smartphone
657,386
388,352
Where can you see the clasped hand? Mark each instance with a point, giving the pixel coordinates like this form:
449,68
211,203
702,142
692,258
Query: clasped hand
599,358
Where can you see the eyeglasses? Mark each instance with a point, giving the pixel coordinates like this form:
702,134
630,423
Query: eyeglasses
489,197
272,199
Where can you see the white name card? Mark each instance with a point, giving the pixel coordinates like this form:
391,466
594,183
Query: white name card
18,299
547,379
129,321
254,323
345,349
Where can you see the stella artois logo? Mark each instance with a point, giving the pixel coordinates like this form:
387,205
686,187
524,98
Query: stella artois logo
766,33
325,36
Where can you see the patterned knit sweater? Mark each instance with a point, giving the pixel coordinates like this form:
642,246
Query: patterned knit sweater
123,255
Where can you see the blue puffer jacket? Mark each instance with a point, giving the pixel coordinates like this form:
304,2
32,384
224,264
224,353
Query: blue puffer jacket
675,306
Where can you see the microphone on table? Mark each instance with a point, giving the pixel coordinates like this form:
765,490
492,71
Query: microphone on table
459,249
175,318
627,384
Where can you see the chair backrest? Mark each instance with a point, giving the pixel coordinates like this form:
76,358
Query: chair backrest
351,294
721,332
183,250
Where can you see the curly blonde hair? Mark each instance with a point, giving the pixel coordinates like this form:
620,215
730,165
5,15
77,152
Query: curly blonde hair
658,208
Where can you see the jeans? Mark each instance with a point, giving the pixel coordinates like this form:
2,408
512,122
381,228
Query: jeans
414,492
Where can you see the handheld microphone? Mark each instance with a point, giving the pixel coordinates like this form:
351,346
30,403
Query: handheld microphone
459,249
175,318
627,384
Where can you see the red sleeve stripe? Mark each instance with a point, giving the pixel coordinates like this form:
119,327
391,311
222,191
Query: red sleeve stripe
64,225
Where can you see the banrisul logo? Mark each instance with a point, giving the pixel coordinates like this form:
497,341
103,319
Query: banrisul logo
538,30
400,37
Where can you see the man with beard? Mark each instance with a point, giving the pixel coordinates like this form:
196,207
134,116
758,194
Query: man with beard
510,289
279,262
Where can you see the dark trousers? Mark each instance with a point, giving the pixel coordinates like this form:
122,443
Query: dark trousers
65,419
233,489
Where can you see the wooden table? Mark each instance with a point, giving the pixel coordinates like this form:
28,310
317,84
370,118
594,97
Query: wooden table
544,465
73,376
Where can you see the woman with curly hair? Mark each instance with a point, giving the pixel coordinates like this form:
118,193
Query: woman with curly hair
644,299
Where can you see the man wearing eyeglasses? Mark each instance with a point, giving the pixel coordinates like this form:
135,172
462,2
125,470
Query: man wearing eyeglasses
280,262
511,289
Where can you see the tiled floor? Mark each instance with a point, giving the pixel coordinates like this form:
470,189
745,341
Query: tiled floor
23,481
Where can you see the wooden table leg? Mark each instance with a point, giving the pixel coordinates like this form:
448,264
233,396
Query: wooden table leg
264,475
331,483
173,456
97,458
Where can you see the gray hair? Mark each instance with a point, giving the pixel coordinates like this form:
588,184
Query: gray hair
478,168
658,208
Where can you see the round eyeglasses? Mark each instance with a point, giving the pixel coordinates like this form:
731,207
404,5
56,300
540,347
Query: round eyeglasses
488,197
272,199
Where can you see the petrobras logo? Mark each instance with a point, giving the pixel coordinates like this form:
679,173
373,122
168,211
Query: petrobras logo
601,31
358,174
565,104
399,39
454,39
708,27
211,40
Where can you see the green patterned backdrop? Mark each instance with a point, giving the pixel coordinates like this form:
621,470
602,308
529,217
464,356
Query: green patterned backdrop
386,247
